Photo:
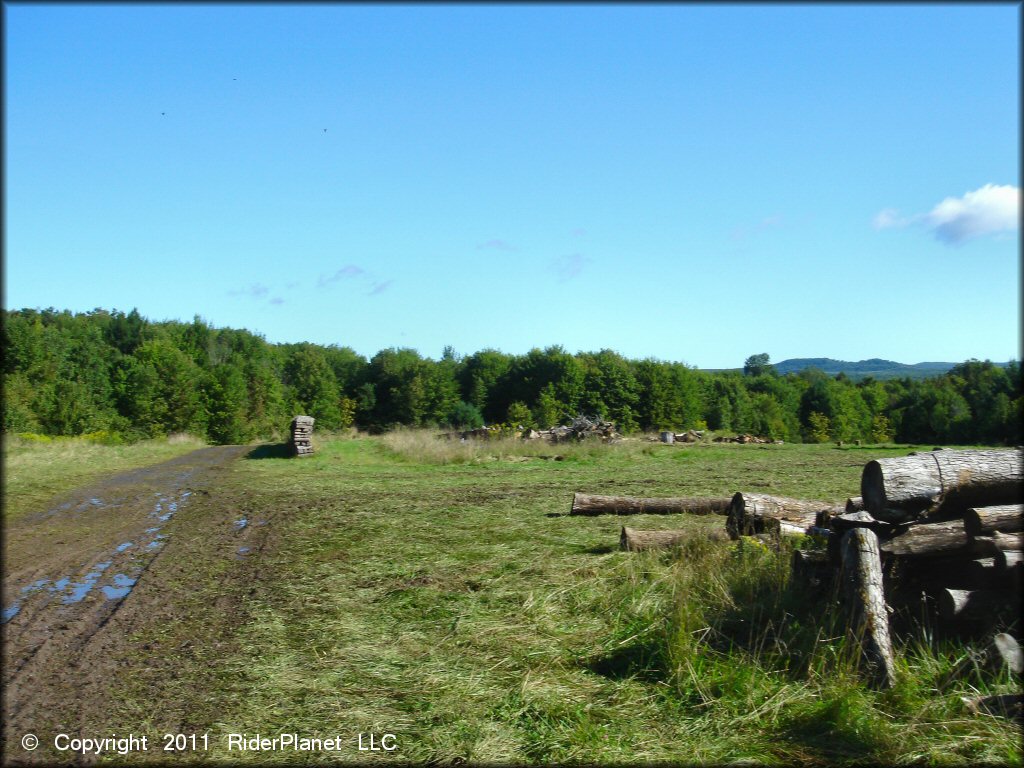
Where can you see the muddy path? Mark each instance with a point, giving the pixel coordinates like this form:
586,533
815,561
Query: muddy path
84,575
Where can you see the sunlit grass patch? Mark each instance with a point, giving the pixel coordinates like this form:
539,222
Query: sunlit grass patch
454,602
36,470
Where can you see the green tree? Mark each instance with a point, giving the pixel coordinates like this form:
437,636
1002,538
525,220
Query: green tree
819,427
227,406
311,385
758,365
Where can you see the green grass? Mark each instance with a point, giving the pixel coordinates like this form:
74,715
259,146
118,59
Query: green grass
37,468
442,595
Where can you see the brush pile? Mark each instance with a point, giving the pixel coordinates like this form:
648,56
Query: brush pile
300,436
581,428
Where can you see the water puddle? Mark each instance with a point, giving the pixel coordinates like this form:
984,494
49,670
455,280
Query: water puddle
72,592
82,588
120,588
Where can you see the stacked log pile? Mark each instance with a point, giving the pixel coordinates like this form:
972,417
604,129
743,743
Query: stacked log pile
300,436
949,529
945,524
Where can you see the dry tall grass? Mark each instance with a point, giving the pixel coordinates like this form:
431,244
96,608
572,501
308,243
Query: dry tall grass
428,447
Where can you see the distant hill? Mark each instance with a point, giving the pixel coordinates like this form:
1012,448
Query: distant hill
875,367
879,369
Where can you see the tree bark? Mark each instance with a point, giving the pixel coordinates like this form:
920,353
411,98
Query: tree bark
588,504
748,513
1006,518
633,540
939,483
861,577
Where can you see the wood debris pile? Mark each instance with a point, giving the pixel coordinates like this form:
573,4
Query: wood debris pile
746,439
581,428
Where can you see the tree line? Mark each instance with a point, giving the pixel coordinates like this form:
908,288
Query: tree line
128,377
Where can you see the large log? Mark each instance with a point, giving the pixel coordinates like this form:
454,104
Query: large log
974,604
941,483
988,546
633,540
928,540
1005,518
952,572
748,513
589,504
861,577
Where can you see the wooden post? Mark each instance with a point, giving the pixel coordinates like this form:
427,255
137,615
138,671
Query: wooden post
861,576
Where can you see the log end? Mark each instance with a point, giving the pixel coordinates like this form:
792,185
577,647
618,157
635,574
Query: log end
872,489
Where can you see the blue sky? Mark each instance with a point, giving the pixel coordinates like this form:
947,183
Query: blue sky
688,182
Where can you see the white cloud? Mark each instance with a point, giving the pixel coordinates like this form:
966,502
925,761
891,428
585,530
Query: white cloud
993,209
986,211
889,218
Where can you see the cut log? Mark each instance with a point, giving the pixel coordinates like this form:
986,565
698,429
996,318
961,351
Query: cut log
633,540
934,573
988,546
1006,518
1005,651
861,577
928,540
974,604
749,511
860,519
811,567
854,504
940,483
588,504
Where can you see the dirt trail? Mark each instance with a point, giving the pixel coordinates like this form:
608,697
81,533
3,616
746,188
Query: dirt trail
75,584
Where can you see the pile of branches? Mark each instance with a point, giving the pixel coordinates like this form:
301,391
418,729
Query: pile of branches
579,429
745,439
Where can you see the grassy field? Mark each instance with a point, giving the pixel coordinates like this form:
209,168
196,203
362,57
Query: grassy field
37,468
441,593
